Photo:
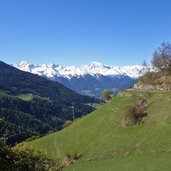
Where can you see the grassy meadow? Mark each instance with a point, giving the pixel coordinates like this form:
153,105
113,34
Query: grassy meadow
104,143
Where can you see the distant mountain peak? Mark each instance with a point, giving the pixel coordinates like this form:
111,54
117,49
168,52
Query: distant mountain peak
24,66
96,64
23,63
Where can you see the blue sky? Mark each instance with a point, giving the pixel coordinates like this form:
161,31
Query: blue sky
76,32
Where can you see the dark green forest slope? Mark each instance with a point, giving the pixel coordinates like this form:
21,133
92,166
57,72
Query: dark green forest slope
32,105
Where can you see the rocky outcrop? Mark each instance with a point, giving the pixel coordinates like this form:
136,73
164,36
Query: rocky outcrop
152,87
155,81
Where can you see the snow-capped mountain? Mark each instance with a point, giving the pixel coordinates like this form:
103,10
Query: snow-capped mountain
94,69
89,79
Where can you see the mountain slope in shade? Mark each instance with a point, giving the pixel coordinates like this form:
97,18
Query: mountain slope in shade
89,79
33,105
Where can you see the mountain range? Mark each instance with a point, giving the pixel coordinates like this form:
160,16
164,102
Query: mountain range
90,79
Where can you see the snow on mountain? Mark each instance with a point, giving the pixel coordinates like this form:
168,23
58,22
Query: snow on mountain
93,69
89,79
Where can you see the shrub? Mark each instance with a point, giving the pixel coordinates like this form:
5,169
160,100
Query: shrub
67,123
34,137
22,157
142,80
136,113
107,95
34,160
71,159
158,82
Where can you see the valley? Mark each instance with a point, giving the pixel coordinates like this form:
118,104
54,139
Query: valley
85,85
91,79
128,129
34,106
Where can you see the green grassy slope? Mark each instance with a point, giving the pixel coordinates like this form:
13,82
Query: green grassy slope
25,97
144,162
101,137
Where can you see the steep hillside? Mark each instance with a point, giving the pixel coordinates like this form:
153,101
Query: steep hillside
104,143
19,82
33,105
89,79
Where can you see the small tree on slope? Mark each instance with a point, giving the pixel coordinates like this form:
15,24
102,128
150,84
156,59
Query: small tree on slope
162,57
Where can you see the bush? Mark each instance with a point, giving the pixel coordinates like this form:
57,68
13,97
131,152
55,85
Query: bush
34,137
107,95
136,113
143,79
22,157
71,159
33,160
67,123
